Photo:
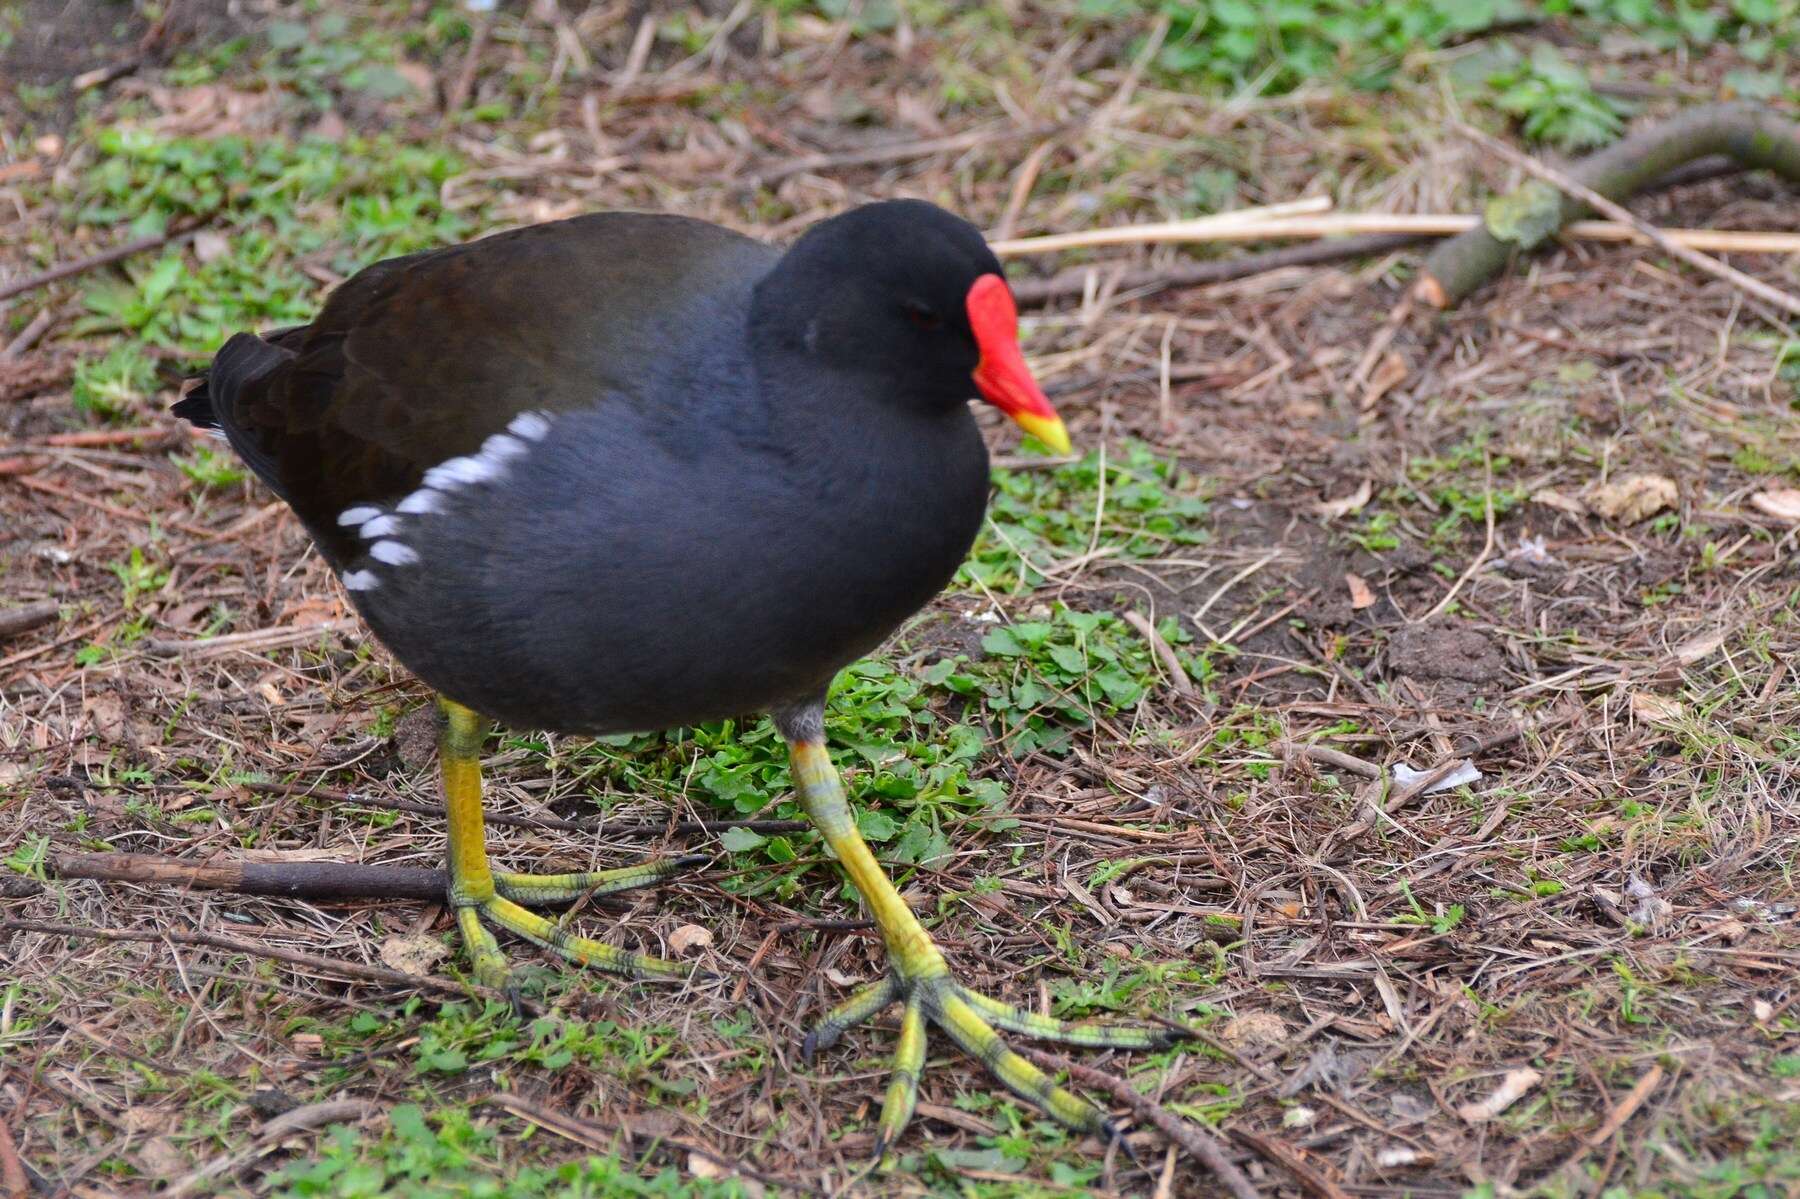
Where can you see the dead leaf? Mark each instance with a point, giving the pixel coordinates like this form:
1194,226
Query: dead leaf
1360,595
1656,709
309,1044
1254,1029
1332,509
422,77
1549,497
160,1158
839,978
1389,375
1783,503
1697,647
1513,1087
413,954
210,246
1634,497
690,936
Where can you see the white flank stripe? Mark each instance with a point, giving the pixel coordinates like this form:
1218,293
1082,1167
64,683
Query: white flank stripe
459,472
362,580
361,514
532,426
501,448
394,553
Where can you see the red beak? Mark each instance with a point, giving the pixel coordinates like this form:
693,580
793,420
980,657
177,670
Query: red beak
1001,374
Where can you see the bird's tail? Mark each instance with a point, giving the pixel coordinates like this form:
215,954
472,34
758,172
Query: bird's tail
243,358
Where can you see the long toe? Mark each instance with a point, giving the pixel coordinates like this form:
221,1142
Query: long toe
506,914
536,890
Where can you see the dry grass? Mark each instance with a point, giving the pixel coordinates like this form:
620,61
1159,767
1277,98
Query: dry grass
1612,907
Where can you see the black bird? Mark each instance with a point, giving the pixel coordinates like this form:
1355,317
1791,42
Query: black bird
625,472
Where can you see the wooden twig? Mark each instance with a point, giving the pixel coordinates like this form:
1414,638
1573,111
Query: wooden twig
1196,1140
1222,270
28,336
1178,675
1290,1159
590,824
1577,190
27,616
1206,228
1326,756
353,971
1752,135
12,1171
255,639
605,1140
1449,224
298,880
895,152
136,245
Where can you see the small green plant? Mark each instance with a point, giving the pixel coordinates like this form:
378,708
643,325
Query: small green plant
1555,102
138,576
1139,506
111,385
211,468
1045,678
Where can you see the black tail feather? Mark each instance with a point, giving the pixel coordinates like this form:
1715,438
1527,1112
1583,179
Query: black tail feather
242,359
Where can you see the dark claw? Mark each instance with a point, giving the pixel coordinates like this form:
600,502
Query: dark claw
809,1046
515,998
881,1148
688,861
1114,1135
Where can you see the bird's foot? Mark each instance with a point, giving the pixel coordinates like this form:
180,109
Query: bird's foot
974,1021
503,907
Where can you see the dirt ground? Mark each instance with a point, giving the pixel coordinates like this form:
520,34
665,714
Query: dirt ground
1405,558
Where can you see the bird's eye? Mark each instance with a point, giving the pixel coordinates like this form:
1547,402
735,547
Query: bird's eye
923,317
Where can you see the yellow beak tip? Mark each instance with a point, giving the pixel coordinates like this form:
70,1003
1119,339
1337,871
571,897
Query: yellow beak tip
1049,430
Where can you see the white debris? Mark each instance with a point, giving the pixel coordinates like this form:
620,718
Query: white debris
1513,1087
1464,774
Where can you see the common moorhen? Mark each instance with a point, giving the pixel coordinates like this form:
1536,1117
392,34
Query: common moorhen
625,472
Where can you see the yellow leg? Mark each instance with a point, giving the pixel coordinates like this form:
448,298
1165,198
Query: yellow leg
482,897
920,978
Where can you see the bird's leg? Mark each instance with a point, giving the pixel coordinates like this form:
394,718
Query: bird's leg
482,896
919,977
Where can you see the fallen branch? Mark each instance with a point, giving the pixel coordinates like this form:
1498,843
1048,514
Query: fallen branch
136,245
299,880
1198,1141
1075,282
351,971
894,152
1205,228
1576,190
605,1139
591,824
27,616
1754,136
1178,675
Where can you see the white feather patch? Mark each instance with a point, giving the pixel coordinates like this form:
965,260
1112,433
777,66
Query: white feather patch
421,501
359,515
462,472
361,580
381,526
394,553
532,426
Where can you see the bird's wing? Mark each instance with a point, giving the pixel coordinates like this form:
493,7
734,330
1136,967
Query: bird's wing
418,360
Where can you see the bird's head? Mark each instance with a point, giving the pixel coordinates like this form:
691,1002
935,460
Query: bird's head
912,293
